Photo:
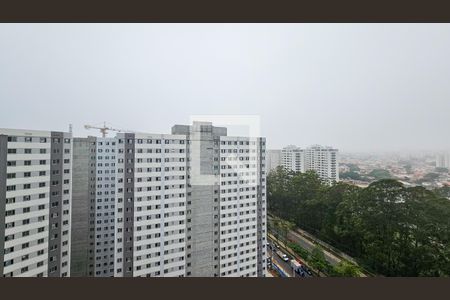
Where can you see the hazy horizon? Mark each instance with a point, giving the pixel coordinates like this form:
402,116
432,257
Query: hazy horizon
356,87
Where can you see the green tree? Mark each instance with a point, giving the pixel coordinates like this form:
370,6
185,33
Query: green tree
300,251
350,175
318,261
346,269
441,170
380,174
353,168
388,228
286,227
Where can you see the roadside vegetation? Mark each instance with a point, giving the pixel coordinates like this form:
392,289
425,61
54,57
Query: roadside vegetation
316,259
389,229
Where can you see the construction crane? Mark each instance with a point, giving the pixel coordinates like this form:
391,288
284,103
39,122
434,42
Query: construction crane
105,128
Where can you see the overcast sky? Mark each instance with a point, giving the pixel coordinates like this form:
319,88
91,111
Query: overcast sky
358,87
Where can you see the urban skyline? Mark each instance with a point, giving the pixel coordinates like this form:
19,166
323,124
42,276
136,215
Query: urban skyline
224,150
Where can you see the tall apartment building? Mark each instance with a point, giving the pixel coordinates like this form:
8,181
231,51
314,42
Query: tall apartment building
150,226
203,198
93,208
323,160
293,158
35,203
226,203
190,203
273,159
243,207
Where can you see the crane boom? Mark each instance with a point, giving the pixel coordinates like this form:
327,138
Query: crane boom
103,129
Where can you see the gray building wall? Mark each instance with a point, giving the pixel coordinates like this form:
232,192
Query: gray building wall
261,208
56,191
273,159
203,203
128,234
3,159
83,211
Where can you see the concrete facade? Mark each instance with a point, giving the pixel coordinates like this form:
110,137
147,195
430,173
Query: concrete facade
273,159
202,208
226,218
37,203
82,211
150,205
323,160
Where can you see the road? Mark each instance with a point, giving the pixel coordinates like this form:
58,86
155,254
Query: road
309,246
285,266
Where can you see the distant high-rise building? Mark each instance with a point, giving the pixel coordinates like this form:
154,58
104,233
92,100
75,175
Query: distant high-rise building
35,203
273,159
443,160
293,158
323,160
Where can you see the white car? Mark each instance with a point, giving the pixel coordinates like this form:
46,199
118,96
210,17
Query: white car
285,257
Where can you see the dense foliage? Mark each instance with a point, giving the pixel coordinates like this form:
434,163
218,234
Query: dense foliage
380,174
317,260
390,229
351,175
441,170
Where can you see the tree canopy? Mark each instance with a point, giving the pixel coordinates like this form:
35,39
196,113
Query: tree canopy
388,228
380,174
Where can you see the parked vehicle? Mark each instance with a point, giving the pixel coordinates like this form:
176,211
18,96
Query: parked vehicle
296,266
306,270
283,256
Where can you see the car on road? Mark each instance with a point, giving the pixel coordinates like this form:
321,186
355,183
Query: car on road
308,271
283,256
301,272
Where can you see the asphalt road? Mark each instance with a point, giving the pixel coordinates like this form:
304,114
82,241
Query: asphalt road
285,266
309,246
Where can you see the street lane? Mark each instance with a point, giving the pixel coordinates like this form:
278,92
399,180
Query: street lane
285,266
309,246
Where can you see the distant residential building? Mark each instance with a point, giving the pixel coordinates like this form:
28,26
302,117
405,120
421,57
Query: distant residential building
35,203
273,159
323,160
293,158
443,160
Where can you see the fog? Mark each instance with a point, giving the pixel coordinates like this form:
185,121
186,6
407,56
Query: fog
357,87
